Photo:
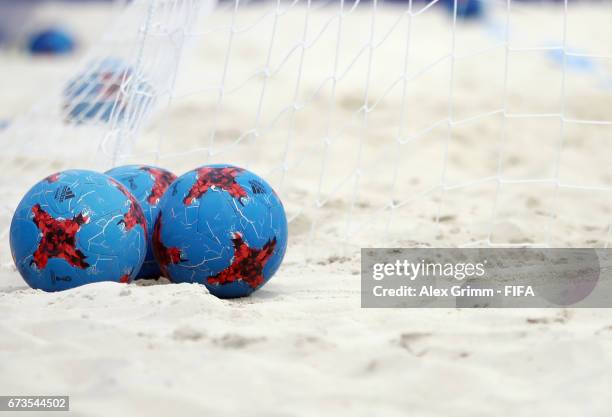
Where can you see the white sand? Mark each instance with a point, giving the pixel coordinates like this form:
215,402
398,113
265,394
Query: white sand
302,346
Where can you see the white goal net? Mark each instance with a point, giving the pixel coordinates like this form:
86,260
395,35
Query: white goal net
379,123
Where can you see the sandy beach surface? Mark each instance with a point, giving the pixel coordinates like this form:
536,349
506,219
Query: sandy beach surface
510,172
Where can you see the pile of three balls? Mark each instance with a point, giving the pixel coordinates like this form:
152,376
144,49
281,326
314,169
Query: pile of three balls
217,225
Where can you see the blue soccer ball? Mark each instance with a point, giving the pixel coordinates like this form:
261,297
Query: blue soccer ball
147,184
109,90
221,226
466,9
76,227
52,41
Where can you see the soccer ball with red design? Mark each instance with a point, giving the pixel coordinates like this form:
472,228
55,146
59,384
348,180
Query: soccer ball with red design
221,226
147,184
109,90
76,227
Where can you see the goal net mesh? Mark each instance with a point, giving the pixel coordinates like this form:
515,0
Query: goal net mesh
378,123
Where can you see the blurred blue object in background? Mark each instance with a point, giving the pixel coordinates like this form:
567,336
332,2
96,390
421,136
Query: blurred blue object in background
53,41
466,9
575,59
108,88
3,124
